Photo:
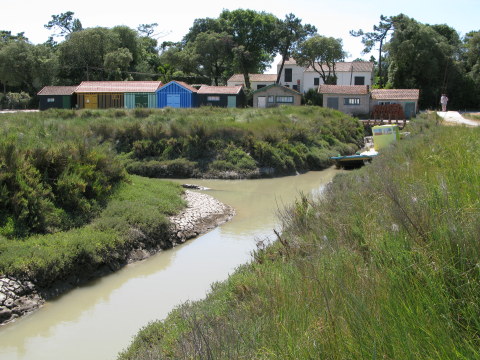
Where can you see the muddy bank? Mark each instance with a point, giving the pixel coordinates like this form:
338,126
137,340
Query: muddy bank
19,297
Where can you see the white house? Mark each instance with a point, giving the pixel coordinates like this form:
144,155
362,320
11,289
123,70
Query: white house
257,81
303,79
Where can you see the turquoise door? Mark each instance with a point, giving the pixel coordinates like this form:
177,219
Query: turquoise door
409,109
232,101
173,100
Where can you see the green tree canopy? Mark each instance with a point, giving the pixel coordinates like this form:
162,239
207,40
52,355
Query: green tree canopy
378,35
213,54
321,53
471,55
421,57
65,23
290,33
253,44
25,66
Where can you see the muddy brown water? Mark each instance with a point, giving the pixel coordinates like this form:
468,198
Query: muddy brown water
98,320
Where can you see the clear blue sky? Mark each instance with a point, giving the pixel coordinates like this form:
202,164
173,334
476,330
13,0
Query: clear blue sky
331,17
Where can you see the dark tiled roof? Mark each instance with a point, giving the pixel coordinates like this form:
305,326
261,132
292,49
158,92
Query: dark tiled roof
343,89
118,86
57,90
395,94
231,90
265,88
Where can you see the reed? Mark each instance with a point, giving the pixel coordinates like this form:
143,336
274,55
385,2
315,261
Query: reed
383,265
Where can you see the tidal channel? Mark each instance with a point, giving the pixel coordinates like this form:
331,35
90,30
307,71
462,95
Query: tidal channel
98,320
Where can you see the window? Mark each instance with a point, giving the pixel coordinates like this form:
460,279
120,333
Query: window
260,86
359,80
352,101
284,99
295,87
385,103
288,75
316,81
50,100
271,99
213,98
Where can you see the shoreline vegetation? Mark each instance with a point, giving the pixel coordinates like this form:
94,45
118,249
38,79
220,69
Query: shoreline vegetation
385,264
73,206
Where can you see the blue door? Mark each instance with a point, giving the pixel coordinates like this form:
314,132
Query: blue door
232,101
173,100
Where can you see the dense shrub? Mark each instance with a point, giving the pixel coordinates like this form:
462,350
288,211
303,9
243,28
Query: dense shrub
164,169
134,218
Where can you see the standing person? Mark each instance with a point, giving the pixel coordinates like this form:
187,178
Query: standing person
443,101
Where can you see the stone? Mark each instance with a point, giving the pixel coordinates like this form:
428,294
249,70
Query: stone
5,314
8,303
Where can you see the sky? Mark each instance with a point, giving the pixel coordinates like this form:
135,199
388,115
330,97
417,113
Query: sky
331,17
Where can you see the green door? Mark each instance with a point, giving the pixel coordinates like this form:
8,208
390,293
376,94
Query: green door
409,109
67,102
232,101
141,100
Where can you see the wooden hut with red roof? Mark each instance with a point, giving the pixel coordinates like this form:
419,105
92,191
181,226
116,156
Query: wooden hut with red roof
116,94
406,98
221,96
350,99
57,97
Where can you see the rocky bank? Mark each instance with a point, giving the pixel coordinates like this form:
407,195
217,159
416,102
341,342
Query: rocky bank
203,213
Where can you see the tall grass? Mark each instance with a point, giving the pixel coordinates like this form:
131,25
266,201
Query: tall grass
384,265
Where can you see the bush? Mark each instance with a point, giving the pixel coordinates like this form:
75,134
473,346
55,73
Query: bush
160,169
17,100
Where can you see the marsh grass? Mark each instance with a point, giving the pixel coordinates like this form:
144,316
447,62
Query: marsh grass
64,174
385,265
135,217
287,139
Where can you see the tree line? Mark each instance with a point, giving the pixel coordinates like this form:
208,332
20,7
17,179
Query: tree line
433,58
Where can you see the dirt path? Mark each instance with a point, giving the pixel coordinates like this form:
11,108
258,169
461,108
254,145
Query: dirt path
456,118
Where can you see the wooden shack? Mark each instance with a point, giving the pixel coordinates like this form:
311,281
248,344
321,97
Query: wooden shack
116,94
177,94
406,98
221,96
57,97
350,99
275,95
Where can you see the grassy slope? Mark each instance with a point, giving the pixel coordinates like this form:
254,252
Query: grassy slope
139,206
384,266
60,210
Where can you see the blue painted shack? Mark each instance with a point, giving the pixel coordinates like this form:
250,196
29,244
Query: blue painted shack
177,94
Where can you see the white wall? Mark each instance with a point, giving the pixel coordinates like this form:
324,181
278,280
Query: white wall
297,77
306,78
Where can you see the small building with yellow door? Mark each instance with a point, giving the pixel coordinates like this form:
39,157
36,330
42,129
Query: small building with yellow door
116,94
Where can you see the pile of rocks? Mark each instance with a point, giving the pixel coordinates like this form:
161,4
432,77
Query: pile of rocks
202,214
17,298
